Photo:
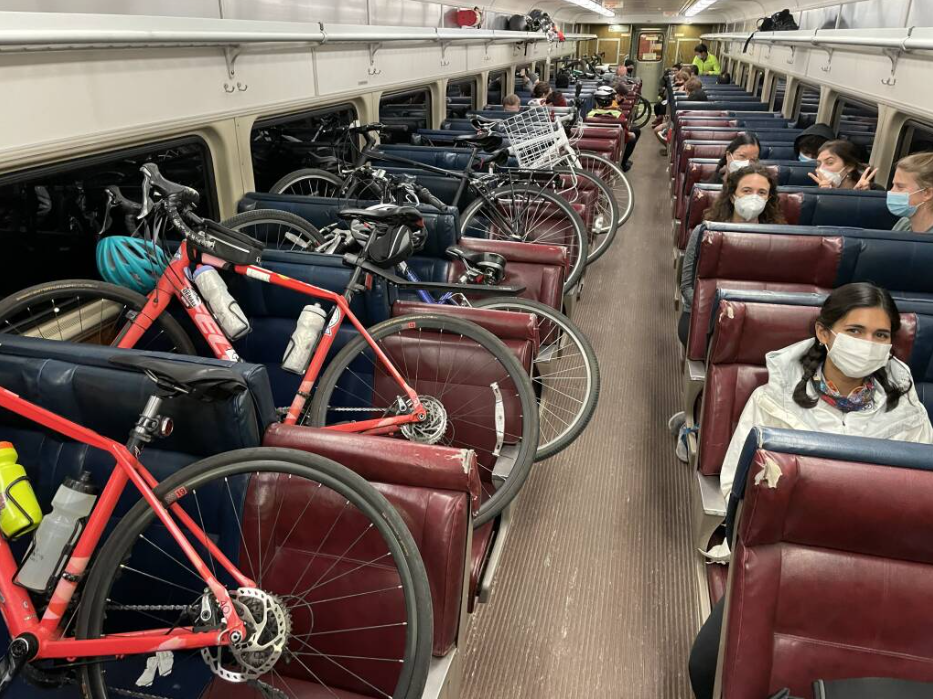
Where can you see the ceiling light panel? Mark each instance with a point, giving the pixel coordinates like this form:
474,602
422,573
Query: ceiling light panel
593,7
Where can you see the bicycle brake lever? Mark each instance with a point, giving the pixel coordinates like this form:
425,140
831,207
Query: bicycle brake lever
108,206
147,187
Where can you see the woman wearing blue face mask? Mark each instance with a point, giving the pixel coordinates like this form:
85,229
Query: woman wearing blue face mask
911,195
843,381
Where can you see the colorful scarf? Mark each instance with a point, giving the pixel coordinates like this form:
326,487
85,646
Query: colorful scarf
861,398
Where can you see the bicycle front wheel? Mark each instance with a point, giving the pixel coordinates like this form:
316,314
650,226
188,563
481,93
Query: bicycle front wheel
530,214
614,176
605,209
641,113
477,395
341,598
279,230
309,182
87,311
565,375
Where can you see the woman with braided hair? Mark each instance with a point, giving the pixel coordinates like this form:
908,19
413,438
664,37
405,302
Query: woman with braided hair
843,380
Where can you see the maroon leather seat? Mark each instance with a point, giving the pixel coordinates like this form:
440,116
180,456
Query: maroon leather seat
831,574
679,161
743,333
609,132
540,268
600,146
434,489
699,200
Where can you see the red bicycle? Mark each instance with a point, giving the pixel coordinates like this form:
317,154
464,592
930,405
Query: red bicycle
390,379
164,608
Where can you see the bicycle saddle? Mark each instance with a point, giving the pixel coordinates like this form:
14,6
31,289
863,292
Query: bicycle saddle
391,216
499,157
484,140
200,381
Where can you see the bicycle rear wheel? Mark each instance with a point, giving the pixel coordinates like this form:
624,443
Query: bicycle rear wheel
309,182
641,113
279,230
565,375
87,311
477,394
530,214
342,597
605,210
614,176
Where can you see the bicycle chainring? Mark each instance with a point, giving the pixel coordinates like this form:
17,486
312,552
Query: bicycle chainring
268,629
432,428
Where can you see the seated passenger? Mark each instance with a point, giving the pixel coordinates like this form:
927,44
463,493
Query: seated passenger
695,91
749,195
911,194
744,150
511,103
724,79
807,145
539,94
843,381
839,167
555,98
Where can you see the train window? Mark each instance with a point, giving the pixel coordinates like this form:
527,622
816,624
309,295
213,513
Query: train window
780,93
55,214
874,14
856,122
284,144
806,105
461,97
915,137
411,109
759,82
821,18
496,87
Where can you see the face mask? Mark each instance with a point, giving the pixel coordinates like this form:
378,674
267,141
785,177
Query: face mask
736,165
835,178
805,158
858,358
899,203
750,207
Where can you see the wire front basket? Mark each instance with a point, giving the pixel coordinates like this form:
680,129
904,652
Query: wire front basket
537,138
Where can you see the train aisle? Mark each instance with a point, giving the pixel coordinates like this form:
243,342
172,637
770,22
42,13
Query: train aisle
595,596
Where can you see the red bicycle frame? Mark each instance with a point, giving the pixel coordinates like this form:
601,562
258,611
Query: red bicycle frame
16,606
174,283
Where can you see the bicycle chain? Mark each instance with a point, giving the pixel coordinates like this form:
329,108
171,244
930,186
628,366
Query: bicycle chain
151,607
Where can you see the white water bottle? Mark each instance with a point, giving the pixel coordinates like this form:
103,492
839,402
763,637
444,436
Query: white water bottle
304,339
226,310
71,505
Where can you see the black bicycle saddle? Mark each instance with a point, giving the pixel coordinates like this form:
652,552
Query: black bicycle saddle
391,216
203,382
484,140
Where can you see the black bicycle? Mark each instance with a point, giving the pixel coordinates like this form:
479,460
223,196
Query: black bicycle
510,204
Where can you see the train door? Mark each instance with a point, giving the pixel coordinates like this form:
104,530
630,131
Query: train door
649,52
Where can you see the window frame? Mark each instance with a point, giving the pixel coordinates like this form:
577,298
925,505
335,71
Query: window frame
905,137
472,81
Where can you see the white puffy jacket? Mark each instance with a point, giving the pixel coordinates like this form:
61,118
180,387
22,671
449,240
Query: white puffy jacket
772,405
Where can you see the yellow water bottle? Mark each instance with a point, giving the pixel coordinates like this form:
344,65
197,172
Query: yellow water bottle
19,510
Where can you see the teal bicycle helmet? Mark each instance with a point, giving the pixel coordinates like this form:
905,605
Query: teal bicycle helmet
130,262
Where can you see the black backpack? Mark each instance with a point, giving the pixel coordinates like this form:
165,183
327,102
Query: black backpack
782,21
562,80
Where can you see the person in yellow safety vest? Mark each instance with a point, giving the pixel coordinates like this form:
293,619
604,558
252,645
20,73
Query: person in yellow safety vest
706,62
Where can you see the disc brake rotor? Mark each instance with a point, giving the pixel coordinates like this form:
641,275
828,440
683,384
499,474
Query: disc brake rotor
268,628
432,428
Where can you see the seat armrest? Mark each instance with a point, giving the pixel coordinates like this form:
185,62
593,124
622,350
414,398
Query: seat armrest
386,460
711,495
506,325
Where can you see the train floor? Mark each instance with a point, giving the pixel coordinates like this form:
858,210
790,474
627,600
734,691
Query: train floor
596,595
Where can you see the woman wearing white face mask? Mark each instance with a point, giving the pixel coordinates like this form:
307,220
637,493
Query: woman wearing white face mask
744,150
748,196
911,195
844,380
839,167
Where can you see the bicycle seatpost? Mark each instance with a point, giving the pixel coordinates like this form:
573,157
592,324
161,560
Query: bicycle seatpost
149,425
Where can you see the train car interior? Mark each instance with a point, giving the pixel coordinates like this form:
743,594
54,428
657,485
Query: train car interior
525,349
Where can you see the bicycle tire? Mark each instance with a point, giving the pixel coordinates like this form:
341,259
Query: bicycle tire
615,177
60,293
513,375
606,216
579,236
549,445
381,515
641,113
320,183
255,223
